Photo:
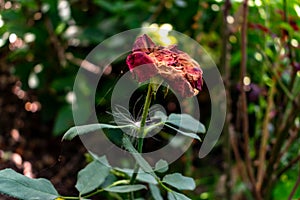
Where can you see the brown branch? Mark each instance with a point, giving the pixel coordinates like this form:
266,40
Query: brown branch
83,63
292,138
288,166
265,137
237,155
243,101
297,184
60,51
225,68
157,12
281,133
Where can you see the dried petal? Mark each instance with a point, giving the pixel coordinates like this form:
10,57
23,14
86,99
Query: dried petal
182,73
143,43
141,65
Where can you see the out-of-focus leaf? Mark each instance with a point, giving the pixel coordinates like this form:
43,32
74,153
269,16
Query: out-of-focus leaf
63,121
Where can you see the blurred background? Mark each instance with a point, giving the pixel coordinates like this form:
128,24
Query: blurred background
43,44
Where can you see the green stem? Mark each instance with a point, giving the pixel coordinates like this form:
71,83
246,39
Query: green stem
97,191
144,118
141,133
164,186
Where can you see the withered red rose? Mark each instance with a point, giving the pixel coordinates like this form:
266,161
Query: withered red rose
176,67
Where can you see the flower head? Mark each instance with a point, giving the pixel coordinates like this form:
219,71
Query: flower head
180,71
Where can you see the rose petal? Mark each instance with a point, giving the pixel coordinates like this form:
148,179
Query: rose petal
141,65
143,43
182,73
177,81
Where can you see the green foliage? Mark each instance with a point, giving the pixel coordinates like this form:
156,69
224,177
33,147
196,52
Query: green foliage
88,180
84,129
180,120
180,182
176,196
161,166
142,176
64,120
19,186
125,188
98,175
155,192
186,122
59,44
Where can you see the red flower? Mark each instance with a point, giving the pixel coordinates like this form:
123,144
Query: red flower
180,71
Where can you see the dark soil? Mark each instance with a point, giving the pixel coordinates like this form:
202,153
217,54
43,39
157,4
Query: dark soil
26,141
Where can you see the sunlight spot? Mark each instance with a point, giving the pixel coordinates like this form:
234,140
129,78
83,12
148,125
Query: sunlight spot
33,81
284,177
232,39
246,80
297,9
282,52
297,122
17,159
70,97
1,21
181,3
2,42
37,16
294,42
298,73
204,195
258,56
154,26
168,27
27,171
262,13
251,3
29,37
218,1
163,32
38,68
258,3
71,31
45,7
230,19
64,10
12,38
35,106
20,94
27,106
7,5
74,42
166,40
32,107
14,133
215,7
